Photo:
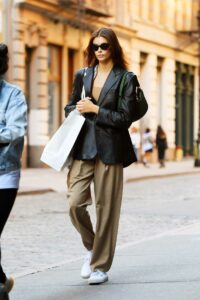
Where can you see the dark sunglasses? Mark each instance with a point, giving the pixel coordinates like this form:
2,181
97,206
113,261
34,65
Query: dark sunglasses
103,46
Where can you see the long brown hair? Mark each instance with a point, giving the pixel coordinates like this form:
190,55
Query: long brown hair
160,132
117,54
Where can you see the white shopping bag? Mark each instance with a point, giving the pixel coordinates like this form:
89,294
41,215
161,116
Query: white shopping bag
57,151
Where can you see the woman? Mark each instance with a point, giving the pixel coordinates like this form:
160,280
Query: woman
12,129
147,147
102,149
161,143
136,140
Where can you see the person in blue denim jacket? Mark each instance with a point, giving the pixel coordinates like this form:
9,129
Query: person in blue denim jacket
13,123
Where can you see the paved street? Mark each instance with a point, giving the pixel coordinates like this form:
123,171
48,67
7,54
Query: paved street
162,268
39,236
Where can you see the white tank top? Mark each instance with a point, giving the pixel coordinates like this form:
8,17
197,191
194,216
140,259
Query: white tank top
9,180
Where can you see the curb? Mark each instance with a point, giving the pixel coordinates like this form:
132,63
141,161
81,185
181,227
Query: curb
129,180
35,192
160,176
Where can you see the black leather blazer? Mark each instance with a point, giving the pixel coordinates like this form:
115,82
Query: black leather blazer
106,134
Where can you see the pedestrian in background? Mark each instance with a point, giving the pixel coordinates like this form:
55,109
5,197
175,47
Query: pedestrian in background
101,151
136,140
13,123
147,147
161,143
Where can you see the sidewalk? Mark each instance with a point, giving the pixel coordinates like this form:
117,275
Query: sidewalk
38,181
157,255
164,267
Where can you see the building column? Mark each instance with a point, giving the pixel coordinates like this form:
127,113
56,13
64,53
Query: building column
170,14
196,103
17,66
148,79
135,9
134,62
1,21
134,66
38,107
179,15
167,101
144,9
155,11
18,55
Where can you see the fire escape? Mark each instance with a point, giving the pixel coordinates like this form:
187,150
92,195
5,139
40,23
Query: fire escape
81,10
81,14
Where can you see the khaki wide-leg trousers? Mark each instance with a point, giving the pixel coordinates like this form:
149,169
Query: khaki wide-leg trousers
108,186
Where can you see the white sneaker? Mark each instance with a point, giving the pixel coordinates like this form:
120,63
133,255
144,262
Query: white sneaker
98,277
86,269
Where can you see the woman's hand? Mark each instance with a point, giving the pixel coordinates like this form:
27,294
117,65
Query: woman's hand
86,106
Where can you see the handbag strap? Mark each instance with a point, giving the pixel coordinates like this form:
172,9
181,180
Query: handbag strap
122,87
83,95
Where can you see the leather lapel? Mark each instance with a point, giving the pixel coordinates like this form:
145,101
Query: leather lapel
113,77
87,81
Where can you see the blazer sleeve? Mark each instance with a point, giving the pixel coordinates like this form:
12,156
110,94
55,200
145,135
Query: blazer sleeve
122,118
76,92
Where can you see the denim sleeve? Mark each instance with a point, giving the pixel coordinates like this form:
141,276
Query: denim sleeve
15,118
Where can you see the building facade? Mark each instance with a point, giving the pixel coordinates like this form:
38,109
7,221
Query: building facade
1,21
47,41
